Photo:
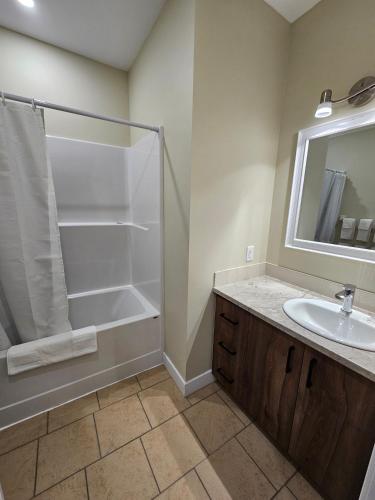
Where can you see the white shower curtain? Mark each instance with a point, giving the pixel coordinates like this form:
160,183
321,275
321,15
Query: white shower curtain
330,204
31,267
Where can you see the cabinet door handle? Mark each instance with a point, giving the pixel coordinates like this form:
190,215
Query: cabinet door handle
289,360
227,379
229,351
309,381
224,316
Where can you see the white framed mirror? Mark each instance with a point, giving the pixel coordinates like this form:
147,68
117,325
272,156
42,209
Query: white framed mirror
332,205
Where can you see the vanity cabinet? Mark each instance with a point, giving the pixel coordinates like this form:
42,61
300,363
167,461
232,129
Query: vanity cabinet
334,426
269,379
318,412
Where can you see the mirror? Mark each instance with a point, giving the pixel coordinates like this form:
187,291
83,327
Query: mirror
332,207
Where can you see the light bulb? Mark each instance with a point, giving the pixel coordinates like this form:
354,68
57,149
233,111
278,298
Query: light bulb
323,110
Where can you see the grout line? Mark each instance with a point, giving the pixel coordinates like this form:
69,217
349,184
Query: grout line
97,436
20,445
148,420
201,481
256,464
36,466
291,492
149,463
87,484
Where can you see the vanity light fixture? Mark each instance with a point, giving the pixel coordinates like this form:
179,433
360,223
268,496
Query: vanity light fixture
360,94
27,3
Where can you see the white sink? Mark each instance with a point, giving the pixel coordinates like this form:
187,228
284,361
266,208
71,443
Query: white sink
328,320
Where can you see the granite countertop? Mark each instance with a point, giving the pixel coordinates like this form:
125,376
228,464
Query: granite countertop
264,297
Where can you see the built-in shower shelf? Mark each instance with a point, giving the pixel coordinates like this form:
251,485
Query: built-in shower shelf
102,224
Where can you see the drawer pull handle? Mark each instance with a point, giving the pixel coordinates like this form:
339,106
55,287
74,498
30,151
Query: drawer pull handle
224,316
289,361
229,351
227,379
309,381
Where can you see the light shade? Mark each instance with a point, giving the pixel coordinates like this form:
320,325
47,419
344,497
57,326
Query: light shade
323,110
27,3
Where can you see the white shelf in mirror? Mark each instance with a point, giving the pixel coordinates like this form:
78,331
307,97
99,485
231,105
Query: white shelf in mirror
102,224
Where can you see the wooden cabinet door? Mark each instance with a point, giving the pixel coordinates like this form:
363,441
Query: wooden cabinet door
334,426
230,325
270,378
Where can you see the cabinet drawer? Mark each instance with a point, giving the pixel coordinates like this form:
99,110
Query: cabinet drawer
230,320
225,369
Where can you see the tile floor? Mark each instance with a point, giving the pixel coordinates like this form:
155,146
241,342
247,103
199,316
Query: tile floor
141,439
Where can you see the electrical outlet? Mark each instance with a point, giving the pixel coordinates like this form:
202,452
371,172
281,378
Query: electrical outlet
250,253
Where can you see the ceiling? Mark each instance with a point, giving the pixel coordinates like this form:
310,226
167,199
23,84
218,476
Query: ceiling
292,9
108,31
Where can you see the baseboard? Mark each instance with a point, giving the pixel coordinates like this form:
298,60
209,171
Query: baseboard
45,401
187,386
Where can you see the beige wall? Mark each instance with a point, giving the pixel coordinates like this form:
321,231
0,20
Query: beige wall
332,47
35,69
161,92
241,50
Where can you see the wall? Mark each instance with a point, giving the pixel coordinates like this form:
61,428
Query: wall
161,92
331,48
355,153
241,51
36,69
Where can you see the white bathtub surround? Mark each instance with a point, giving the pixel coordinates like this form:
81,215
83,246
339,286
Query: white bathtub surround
113,271
31,265
264,297
187,387
43,352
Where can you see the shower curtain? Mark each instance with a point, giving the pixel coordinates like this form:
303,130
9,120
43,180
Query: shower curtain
32,277
330,204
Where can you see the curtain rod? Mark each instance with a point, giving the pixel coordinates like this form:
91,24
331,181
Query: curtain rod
74,111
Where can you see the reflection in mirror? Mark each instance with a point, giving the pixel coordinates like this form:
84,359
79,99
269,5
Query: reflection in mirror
338,196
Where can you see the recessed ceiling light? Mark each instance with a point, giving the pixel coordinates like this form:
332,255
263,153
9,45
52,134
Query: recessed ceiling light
27,3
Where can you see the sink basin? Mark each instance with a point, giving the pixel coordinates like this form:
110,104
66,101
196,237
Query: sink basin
328,320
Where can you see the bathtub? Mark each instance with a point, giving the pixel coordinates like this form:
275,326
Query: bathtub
129,341
109,308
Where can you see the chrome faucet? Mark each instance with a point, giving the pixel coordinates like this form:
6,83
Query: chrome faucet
347,296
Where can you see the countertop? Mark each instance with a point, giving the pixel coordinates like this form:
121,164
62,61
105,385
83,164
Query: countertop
264,297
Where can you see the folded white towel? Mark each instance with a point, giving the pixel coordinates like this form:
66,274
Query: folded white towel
364,229
49,350
348,227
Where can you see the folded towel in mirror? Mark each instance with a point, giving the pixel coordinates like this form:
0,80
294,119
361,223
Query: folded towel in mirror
348,228
364,229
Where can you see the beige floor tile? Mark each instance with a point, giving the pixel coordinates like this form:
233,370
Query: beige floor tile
301,489
213,422
230,473
124,474
23,433
188,487
70,412
235,409
203,393
66,451
163,401
119,423
275,466
118,391
17,472
172,450
284,494
73,488
153,376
